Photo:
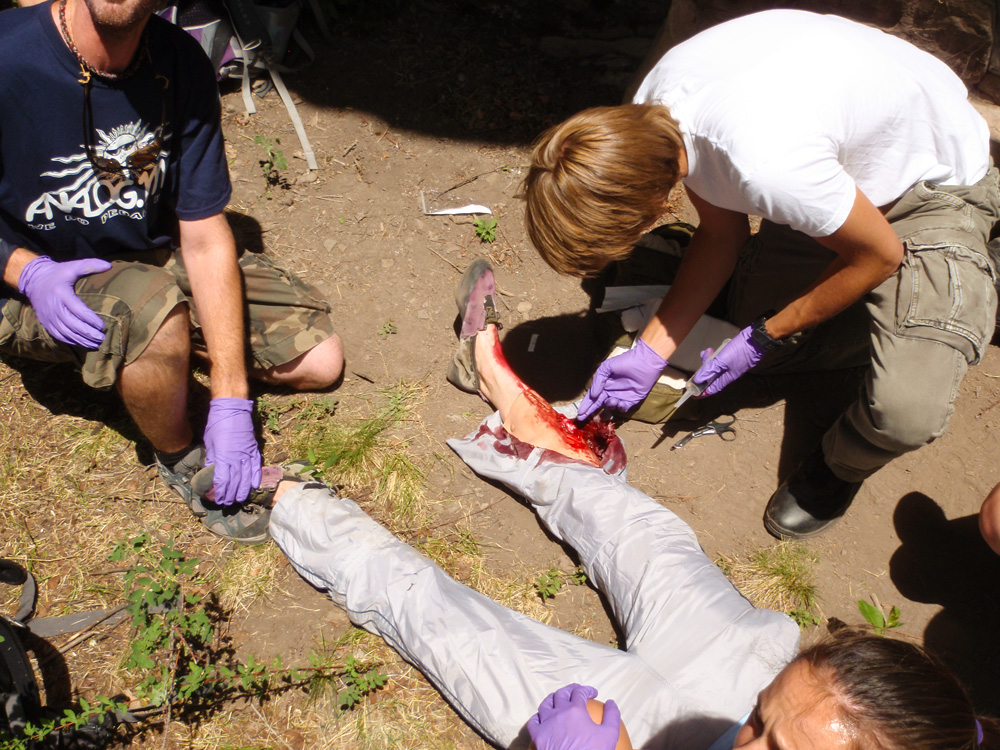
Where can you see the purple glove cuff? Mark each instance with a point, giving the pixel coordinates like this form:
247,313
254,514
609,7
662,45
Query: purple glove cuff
649,358
31,268
231,403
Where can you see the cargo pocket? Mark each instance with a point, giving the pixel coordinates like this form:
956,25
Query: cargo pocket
946,294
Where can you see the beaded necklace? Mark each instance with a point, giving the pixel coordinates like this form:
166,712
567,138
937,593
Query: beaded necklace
86,69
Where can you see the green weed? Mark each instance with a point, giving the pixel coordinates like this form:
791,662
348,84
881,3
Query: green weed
549,583
486,229
274,158
351,452
388,328
877,618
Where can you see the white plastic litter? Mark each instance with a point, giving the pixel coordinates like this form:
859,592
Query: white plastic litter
436,204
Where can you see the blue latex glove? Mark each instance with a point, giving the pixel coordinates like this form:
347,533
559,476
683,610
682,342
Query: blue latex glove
48,285
622,382
562,722
231,445
732,361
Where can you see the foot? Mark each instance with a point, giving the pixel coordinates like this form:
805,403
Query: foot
476,310
177,474
474,289
811,500
246,522
270,478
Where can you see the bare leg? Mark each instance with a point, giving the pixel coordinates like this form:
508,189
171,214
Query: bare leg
316,370
154,386
526,415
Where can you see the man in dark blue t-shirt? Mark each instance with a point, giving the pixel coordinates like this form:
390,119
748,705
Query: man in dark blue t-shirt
115,251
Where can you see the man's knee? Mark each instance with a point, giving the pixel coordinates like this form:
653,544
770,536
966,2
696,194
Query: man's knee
172,337
905,419
315,370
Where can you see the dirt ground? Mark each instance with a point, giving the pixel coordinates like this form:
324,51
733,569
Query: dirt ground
432,95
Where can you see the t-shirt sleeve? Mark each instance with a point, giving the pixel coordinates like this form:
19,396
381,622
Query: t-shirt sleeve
203,186
803,186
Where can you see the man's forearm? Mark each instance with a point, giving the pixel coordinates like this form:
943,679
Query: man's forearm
868,252
708,262
209,253
841,285
18,258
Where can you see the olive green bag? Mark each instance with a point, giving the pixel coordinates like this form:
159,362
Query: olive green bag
645,273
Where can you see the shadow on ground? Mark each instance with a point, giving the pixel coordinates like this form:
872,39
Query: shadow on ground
497,72
557,356
945,561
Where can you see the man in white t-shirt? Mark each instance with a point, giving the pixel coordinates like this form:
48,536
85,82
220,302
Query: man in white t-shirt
872,174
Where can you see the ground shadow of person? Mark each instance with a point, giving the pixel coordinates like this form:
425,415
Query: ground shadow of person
946,561
556,356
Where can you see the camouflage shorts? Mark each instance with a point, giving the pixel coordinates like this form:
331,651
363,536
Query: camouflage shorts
285,316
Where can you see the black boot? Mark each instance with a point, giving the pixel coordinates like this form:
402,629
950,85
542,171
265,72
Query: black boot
811,500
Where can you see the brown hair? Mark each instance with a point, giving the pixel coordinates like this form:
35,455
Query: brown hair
897,696
597,182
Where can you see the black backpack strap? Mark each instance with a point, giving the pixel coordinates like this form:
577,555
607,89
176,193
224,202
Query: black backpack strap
15,575
19,697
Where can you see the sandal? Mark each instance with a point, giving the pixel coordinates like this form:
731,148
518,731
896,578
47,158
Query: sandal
246,522
178,477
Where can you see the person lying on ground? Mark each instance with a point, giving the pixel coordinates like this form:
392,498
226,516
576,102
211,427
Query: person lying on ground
872,173
699,666
116,254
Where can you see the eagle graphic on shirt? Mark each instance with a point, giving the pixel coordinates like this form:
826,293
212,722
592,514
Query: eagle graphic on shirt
126,174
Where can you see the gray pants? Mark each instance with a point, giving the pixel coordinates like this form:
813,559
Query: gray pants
696,652
919,330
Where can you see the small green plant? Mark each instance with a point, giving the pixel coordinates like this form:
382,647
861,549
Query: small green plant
486,229
358,682
877,618
174,658
274,159
388,328
270,411
804,618
549,583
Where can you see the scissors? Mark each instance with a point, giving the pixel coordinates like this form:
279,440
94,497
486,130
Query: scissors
721,426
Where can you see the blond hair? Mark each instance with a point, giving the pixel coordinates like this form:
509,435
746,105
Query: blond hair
597,182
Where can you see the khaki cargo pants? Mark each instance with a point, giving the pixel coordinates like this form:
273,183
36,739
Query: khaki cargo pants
919,330
285,316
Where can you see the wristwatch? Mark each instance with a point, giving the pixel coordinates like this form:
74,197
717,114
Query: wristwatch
761,338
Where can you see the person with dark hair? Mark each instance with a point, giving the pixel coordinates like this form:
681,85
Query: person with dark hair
696,654
872,174
115,252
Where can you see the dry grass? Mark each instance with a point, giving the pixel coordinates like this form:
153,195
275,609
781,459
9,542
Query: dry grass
247,577
779,577
363,452
71,488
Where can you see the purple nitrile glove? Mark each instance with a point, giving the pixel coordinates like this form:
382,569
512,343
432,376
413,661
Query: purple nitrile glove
231,445
622,382
732,361
562,722
48,285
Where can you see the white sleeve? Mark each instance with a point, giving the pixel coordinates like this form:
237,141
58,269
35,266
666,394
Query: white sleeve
804,186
